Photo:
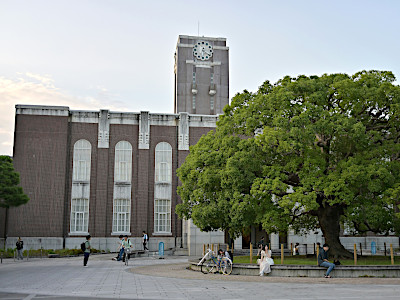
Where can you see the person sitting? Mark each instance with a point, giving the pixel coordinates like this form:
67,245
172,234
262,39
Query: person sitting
222,256
323,260
266,261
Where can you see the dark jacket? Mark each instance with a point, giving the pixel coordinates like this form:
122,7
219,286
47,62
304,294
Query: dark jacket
322,255
20,245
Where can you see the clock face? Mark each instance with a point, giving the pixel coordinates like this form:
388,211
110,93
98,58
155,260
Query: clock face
203,50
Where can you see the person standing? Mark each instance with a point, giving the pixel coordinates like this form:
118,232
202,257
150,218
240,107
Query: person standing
323,260
20,247
145,240
126,244
86,253
296,249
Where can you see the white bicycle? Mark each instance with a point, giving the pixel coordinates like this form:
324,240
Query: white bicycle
127,252
211,264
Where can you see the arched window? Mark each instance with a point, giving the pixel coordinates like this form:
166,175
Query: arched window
80,192
122,188
163,188
123,162
81,162
163,163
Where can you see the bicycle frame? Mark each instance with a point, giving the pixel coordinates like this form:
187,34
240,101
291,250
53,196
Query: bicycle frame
213,263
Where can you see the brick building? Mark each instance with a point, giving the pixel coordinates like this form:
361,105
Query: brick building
107,173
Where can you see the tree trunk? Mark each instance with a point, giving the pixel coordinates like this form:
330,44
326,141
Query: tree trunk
329,220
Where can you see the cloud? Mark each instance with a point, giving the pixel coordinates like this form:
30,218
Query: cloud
36,89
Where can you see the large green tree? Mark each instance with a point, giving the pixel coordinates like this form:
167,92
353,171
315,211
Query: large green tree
10,193
303,153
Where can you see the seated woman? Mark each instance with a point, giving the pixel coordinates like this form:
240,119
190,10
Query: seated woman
265,261
222,256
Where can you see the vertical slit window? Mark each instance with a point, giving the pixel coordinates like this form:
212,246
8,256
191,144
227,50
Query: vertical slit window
163,188
80,191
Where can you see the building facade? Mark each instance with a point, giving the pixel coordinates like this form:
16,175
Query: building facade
101,173
108,173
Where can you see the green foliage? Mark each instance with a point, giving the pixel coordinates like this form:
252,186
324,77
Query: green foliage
10,193
298,152
9,253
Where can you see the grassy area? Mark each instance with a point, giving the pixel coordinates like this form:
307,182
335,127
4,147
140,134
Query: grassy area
9,253
302,260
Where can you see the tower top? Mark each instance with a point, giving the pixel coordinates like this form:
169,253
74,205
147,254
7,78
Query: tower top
201,75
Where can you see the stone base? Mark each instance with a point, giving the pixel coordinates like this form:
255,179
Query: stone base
314,271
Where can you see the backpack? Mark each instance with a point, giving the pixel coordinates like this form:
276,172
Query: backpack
83,246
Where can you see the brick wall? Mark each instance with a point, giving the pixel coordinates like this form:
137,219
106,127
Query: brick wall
44,156
40,149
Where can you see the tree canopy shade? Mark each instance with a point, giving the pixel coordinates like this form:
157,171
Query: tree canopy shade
303,153
10,193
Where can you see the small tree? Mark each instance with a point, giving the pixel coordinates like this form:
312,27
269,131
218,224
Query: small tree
304,153
10,193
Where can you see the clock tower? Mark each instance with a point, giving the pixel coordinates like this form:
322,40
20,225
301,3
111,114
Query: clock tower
201,75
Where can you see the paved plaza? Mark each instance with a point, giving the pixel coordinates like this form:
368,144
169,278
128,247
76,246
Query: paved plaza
153,278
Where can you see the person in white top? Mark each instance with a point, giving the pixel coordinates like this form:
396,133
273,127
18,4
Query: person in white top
266,261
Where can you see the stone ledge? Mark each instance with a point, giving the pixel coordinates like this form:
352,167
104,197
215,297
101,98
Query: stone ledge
314,271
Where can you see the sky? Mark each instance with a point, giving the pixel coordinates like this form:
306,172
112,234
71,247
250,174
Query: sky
119,54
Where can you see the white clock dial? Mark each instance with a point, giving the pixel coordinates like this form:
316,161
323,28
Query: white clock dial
202,50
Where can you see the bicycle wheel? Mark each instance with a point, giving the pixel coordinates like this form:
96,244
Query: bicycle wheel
226,266
126,257
210,266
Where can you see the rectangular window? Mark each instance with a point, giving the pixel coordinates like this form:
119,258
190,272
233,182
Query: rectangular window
122,216
194,102
212,102
164,172
194,77
162,215
79,215
81,171
122,171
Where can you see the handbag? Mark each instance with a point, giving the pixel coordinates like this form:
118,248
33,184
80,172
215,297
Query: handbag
258,261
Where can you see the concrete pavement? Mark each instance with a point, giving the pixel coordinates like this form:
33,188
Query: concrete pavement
151,278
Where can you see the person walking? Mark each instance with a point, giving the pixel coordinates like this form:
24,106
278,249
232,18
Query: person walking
86,253
145,240
20,247
323,260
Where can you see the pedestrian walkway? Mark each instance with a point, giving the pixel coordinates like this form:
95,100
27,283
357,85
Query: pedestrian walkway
66,277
